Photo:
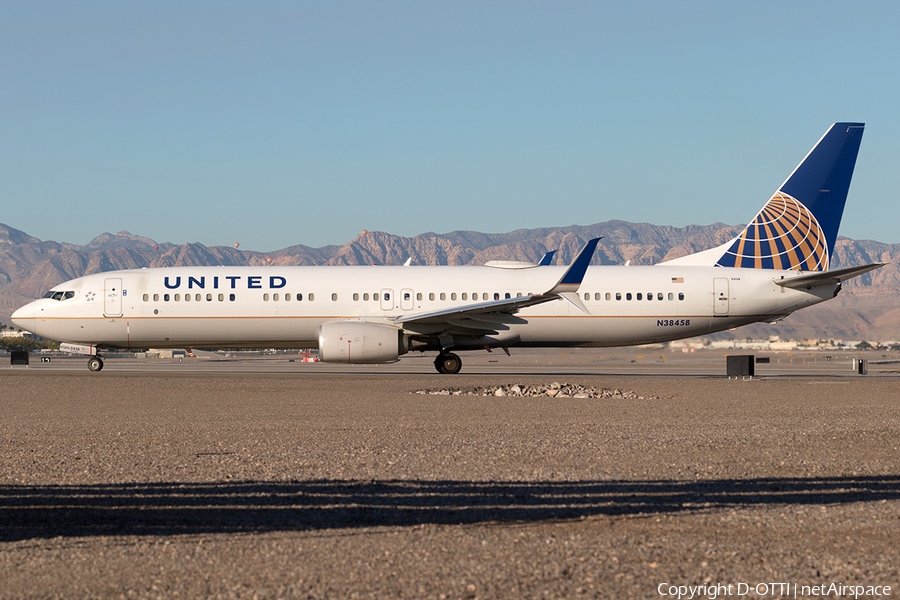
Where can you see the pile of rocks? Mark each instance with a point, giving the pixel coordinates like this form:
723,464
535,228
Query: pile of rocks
552,390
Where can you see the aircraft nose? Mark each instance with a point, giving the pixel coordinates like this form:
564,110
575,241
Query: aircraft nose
24,317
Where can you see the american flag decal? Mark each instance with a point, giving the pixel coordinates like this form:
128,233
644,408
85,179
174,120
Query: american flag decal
678,280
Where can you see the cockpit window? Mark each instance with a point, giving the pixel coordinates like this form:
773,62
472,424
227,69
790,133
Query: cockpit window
59,295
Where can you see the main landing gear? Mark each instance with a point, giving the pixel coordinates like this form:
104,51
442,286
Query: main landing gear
95,363
448,363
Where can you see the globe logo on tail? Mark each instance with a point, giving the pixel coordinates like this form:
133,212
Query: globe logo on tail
784,235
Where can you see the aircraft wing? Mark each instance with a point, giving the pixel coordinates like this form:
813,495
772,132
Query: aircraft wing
826,277
485,316
489,316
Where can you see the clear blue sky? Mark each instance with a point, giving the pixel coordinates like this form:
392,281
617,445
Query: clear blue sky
277,123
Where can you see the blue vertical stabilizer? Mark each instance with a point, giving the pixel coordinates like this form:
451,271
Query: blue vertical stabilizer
798,226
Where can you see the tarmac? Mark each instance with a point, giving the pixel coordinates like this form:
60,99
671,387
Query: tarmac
259,477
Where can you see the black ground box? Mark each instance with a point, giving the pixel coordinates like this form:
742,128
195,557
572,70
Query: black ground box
741,365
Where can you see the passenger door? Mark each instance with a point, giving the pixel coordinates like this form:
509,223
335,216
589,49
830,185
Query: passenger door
112,297
720,296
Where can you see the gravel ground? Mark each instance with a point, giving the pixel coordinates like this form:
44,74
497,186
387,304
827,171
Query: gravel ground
328,486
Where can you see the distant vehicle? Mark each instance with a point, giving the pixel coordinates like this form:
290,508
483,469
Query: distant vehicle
778,264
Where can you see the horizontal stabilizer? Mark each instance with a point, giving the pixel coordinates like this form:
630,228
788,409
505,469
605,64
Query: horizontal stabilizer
827,277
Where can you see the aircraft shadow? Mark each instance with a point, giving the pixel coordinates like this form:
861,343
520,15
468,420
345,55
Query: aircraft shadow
163,509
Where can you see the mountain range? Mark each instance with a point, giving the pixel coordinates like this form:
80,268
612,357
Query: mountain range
867,308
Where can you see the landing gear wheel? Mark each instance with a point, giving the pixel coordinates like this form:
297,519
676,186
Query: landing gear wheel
448,363
95,363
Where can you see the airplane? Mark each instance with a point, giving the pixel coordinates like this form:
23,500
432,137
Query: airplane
374,314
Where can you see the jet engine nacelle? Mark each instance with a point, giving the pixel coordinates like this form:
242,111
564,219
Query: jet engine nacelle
360,342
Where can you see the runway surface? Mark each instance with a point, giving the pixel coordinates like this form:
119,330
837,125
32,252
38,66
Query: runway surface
546,362
265,478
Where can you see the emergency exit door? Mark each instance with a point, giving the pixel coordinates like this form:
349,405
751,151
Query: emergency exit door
387,300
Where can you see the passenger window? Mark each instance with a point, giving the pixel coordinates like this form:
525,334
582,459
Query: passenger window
453,295
659,296
639,296
197,297
607,296
156,297
618,295
587,296
231,297
311,297
681,295
275,297
221,297
443,296
299,297
649,295
496,296
465,296
209,297
671,296
375,296
484,296
287,297
431,296
177,297
146,297
266,297
628,296
507,295
355,296
165,297
418,295
597,296
366,297
334,297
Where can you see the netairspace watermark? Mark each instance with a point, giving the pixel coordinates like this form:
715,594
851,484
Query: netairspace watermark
771,590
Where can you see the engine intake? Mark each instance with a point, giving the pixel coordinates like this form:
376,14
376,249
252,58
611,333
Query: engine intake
360,342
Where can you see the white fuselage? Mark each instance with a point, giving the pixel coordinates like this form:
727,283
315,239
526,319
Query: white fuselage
284,306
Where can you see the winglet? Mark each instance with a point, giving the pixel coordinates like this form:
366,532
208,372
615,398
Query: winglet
545,260
571,279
